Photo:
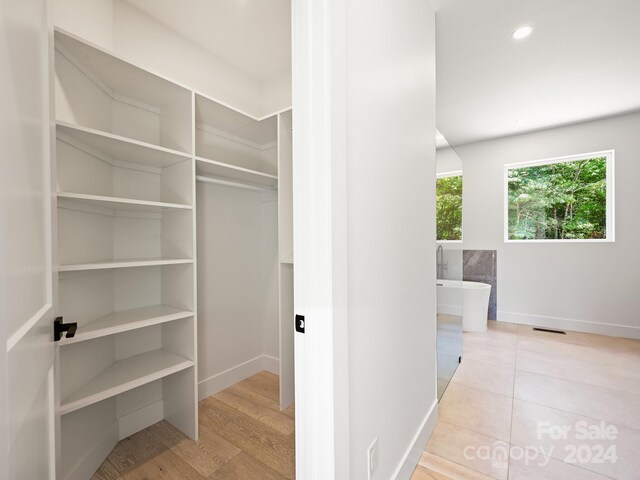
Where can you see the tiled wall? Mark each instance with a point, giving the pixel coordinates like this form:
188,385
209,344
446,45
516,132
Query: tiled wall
481,266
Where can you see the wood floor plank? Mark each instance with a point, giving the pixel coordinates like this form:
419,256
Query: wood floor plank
243,436
258,398
421,473
257,410
290,411
267,376
135,450
209,453
253,396
245,467
165,466
264,443
265,383
107,472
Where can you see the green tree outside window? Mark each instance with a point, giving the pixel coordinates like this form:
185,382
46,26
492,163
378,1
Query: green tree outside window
566,200
449,208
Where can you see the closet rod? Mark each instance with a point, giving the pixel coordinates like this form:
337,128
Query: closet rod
228,183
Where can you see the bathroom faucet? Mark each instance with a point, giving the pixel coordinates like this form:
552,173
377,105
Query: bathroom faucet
441,267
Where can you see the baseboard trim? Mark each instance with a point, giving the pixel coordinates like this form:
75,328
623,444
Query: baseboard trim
86,467
583,326
411,457
271,364
140,419
216,383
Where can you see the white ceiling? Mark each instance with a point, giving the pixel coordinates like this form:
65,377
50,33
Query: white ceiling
581,62
252,35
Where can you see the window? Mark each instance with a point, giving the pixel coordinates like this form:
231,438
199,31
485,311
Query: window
561,199
449,206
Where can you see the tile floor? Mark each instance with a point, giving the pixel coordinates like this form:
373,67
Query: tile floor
522,402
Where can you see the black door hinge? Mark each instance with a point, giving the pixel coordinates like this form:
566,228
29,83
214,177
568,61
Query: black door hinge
300,323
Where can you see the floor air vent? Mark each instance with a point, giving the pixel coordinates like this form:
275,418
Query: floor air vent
549,330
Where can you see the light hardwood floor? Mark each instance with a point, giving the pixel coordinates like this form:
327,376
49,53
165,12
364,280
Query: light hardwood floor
511,378
243,436
514,382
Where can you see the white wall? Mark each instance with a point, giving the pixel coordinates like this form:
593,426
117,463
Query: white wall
121,27
391,230
237,285
149,43
276,95
92,20
447,160
364,234
579,286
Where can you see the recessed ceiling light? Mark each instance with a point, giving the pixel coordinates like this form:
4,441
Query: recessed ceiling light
522,32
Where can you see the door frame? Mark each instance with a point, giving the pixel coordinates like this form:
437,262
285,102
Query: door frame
320,238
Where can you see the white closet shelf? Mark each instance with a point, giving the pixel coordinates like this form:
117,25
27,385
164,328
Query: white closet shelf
124,263
204,166
121,148
125,375
126,320
123,203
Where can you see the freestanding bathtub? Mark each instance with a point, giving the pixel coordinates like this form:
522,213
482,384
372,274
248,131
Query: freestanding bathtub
469,299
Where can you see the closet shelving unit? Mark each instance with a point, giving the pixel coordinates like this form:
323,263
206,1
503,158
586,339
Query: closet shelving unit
126,252
236,150
130,147
235,147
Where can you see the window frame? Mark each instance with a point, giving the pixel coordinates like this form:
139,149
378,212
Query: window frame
453,173
610,198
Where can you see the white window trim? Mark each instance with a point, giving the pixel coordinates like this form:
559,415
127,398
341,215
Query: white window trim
610,227
454,173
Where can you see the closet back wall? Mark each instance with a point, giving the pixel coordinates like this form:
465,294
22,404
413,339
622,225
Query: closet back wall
237,285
